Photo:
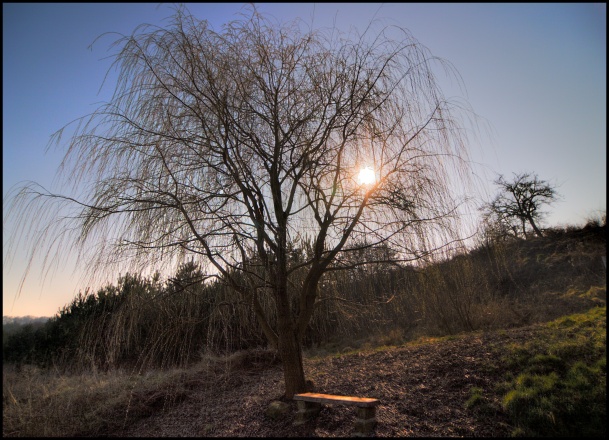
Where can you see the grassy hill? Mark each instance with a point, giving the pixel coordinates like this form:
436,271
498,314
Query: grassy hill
528,360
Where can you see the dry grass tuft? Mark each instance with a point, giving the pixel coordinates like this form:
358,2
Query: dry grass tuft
39,403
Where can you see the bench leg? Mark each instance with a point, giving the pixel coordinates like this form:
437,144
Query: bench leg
365,421
306,411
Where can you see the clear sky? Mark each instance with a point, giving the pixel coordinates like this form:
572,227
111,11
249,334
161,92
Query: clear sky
535,72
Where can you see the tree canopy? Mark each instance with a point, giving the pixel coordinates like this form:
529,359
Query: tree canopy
242,147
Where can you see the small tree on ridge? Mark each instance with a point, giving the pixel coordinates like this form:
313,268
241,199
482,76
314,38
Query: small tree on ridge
521,199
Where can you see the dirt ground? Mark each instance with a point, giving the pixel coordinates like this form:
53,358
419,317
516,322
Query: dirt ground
422,390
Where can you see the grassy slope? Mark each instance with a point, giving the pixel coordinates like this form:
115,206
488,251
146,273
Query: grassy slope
551,383
554,384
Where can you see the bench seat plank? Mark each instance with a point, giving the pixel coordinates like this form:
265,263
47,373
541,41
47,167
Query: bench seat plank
330,398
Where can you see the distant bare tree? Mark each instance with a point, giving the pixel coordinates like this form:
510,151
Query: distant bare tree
243,146
521,200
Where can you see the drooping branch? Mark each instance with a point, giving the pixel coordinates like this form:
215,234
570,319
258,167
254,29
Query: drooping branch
242,147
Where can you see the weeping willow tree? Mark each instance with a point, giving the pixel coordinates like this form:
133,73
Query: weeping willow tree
243,148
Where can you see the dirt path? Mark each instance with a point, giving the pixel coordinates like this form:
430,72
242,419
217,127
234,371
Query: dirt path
423,390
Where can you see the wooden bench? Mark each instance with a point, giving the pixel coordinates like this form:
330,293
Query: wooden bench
309,405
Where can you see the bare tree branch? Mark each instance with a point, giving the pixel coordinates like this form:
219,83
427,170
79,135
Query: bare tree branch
242,147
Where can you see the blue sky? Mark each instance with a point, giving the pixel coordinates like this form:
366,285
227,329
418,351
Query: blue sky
536,73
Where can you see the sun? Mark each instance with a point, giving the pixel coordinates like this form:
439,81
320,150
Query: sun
366,176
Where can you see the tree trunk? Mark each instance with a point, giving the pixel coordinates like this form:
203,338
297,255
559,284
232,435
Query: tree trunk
291,358
535,228
288,343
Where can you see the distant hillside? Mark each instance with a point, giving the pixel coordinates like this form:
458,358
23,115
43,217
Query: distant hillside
22,320
13,324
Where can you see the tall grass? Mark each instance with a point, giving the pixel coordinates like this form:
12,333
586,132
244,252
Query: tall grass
143,322
48,403
39,403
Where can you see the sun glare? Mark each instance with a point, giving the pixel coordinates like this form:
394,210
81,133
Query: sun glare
366,176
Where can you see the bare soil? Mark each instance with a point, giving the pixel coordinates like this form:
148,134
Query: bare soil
422,389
